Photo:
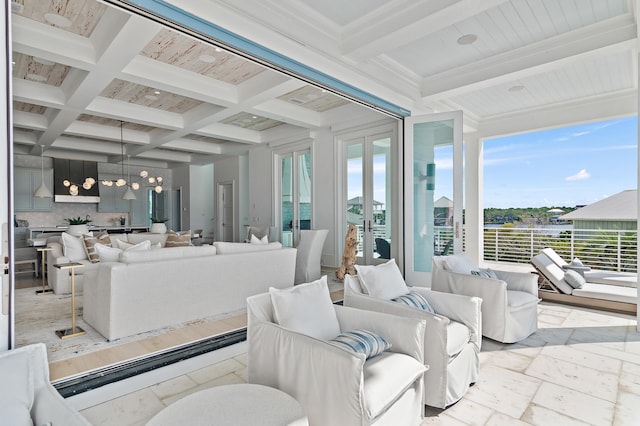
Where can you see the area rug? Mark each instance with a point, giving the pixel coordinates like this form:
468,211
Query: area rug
38,318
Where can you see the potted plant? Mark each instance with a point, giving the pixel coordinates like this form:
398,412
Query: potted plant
78,225
158,225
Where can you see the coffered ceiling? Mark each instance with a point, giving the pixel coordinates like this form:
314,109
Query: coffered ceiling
82,66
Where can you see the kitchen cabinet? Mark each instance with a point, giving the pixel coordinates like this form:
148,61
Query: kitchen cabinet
26,181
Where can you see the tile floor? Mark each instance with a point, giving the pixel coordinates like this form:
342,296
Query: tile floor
582,367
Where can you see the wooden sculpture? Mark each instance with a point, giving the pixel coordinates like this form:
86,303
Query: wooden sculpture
349,254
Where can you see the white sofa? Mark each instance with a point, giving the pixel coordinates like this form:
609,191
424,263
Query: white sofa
58,279
148,290
27,396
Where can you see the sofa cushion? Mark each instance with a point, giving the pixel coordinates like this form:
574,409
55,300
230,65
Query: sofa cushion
141,256
307,309
486,273
257,240
89,244
383,281
385,377
228,248
460,263
73,247
136,238
361,341
107,254
178,239
458,336
518,299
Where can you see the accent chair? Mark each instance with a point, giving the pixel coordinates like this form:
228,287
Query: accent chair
309,255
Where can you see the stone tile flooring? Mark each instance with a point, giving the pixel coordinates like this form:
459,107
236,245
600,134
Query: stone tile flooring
582,367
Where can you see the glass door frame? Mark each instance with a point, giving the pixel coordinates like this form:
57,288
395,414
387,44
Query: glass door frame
411,276
390,130
295,152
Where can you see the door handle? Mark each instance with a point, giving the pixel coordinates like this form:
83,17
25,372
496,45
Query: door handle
370,228
457,230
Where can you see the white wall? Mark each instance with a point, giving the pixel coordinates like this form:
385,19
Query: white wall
182,181
201,199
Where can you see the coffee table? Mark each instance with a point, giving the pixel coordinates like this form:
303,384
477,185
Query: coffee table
233,405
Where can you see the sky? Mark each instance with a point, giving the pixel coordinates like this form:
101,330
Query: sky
568,166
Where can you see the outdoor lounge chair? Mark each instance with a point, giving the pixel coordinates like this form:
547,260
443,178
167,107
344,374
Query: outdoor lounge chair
554,286
626,279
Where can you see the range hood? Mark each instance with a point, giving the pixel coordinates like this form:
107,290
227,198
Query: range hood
76,171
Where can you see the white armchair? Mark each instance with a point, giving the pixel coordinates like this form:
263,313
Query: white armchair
509,301
309,255
27,396
333,385
453,336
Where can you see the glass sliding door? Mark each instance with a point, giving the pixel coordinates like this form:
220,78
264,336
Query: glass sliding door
368,195
433,191
295,205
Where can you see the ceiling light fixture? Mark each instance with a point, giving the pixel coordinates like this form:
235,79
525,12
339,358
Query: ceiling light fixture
42,191
467,39
207,59
57,20
154,181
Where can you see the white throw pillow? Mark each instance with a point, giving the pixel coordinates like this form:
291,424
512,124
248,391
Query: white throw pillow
106,253
574,279
73,247
460,263
256,240
383,281
307,309
142,245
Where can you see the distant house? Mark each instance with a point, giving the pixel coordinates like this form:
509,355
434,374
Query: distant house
619,212
443,212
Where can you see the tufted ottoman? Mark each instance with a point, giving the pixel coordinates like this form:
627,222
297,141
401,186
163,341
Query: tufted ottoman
233,405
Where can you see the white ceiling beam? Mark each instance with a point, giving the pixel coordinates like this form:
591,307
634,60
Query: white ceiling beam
191,145
611,35
409,24
29,120
111,108
24,138
230,133
288,113
166,155
169,78
109,133
597,108
32,92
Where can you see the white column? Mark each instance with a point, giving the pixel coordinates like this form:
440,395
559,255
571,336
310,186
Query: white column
473,206
637,58
6,165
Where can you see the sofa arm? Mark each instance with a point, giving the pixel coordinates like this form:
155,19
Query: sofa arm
49,408
309,370
457,307
492,292
522,281
406,335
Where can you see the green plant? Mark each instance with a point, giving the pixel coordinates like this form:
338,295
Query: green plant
78,220
158,220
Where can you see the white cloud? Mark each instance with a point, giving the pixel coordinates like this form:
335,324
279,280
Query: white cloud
581,175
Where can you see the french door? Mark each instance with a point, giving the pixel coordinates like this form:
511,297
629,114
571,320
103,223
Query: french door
433,188
295,195
368,195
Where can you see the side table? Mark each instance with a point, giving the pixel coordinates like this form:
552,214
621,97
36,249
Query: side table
233,405
73,331
43,251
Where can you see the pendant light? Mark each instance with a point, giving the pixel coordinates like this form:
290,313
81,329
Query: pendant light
42,191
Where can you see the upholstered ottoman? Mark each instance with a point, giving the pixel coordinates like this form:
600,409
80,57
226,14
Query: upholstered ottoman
233,405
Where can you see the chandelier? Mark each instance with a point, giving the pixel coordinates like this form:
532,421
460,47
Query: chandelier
154,181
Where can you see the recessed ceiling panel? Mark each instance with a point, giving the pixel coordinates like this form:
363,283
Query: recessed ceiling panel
184,52
76,16
314,99
26,107
148,96
251,121
343,12
508,26
40,70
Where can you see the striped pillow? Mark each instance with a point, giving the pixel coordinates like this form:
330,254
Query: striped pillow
361,341
178,239
415,300
486,273
90,242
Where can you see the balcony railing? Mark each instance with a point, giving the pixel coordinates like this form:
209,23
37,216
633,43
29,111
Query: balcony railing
601,249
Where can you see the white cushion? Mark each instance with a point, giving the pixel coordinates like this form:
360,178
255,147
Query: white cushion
228,248
106,253
383,281
307,309
574,279
256,240
460,263
16,391
73,247
142,256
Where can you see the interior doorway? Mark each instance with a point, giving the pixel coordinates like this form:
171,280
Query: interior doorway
226,211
